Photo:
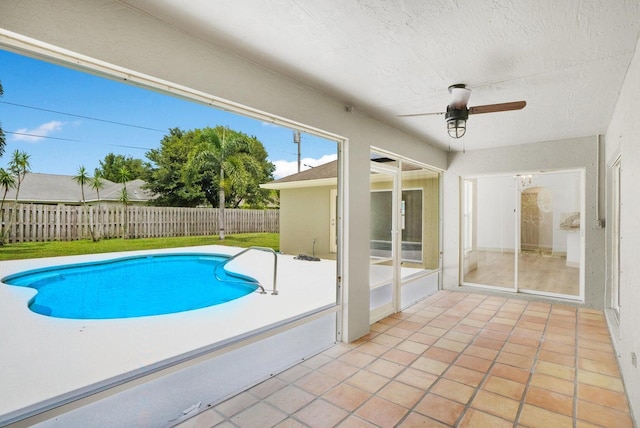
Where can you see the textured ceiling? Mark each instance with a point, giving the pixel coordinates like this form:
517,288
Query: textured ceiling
566,58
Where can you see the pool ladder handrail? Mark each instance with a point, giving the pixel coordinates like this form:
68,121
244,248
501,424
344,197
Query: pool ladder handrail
274,292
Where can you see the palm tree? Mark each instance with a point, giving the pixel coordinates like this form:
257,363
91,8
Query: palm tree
124,197
7,181
18,167
96,184
82,178
219,155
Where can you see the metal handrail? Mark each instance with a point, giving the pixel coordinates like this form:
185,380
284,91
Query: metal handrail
274,292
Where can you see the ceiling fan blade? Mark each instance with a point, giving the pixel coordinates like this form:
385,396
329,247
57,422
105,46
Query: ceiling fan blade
419,114
492,108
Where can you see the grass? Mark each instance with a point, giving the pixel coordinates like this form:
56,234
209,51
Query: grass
32,250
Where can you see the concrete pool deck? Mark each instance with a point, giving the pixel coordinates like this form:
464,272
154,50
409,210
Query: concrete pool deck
45,361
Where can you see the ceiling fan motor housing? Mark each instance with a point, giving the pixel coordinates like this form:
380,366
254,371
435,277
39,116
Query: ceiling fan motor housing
456,113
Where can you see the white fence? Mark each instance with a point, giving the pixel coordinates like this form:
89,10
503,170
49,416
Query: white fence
34,222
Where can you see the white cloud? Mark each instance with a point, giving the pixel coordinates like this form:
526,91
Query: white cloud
285,168
37,134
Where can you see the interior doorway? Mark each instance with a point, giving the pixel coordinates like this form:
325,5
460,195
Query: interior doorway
523,233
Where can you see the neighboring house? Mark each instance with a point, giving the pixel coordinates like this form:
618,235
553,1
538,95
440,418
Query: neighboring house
51,189
311,195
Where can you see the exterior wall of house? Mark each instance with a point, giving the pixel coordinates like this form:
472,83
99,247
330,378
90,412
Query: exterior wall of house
307,216
578,153
430,216
623,140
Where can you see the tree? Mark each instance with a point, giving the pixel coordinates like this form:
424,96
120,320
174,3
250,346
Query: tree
166,179
189,165
3,141
123,177
18,167
96,184
7,181
83,178
112,164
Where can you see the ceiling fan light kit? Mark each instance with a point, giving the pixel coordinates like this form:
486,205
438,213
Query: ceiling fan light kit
456,121
457,111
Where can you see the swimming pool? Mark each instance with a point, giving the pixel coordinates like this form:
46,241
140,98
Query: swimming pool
133,286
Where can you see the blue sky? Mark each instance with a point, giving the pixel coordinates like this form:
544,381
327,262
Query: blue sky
60,143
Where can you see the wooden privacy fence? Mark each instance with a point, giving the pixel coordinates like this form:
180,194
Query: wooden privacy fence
34,222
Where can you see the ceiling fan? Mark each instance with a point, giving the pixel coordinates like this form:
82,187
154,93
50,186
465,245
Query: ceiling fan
457,111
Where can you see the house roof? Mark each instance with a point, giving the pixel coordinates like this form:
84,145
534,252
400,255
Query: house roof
322,175
51,188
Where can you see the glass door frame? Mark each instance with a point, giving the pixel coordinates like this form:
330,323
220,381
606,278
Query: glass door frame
517,234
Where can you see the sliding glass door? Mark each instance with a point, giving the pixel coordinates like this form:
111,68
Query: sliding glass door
524,233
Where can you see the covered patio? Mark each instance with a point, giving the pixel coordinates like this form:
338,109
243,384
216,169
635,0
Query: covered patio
457,359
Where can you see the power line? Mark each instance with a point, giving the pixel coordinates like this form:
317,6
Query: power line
41,136
76,141
83,117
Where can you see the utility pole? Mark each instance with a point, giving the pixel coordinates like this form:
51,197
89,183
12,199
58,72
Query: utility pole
296,140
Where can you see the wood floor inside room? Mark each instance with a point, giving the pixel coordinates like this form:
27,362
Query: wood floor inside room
537,271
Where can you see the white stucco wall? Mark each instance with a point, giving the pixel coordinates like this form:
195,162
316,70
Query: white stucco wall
578,153
623,139
114,33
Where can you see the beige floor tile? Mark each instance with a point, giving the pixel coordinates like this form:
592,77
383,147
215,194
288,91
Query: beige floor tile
259,414
367,381
236,404
605,397
381,412
477,419
290,398
316,383
355,422
417,420
357,358
386,368
552,383
495,404
338,369
536,417
453,390
416,378
268,387
504,387
473,363
509,372
603,416
400,393
412,347
372,348
430,365
318,414
480,352
347,397
440,409
550,400
600,380
398,356
466,376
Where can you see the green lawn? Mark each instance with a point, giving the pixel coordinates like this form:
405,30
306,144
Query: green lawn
31,250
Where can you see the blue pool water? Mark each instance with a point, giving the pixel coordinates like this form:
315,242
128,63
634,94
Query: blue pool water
132,287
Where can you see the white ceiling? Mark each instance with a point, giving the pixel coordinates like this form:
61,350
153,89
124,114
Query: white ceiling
566,58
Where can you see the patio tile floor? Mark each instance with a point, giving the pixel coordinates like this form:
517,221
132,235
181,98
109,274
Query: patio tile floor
456,359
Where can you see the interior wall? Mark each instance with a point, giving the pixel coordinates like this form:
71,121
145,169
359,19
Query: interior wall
577,153
623,139
116,34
